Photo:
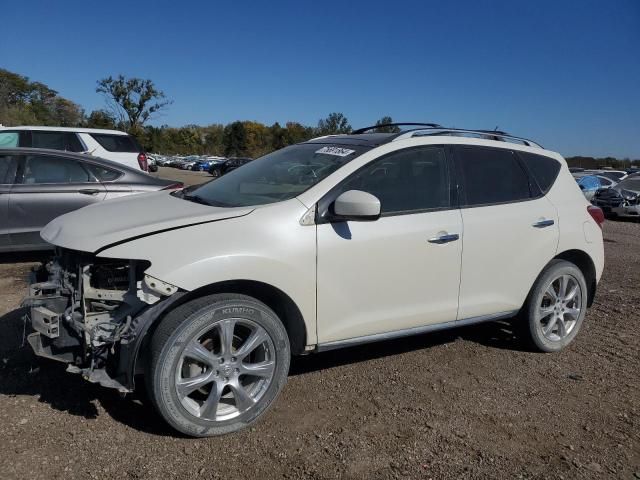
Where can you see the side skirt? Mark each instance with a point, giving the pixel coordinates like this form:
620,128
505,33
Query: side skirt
377,337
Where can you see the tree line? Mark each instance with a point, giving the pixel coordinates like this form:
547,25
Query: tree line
131,102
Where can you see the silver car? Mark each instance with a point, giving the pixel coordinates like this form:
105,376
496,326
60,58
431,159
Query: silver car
38,185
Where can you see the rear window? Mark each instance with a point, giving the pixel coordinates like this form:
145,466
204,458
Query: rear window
117,143
56,141
544,169
492,175
51,169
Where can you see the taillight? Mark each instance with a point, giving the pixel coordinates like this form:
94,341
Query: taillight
174,186
142,161
597,214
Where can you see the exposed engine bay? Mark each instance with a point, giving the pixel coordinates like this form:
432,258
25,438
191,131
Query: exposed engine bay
91,313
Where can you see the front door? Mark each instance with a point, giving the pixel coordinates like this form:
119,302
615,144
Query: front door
402,270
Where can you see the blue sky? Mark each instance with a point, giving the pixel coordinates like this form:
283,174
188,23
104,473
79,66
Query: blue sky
565,73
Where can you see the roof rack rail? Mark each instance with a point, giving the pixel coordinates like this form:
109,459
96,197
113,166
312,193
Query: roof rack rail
490,134
373,127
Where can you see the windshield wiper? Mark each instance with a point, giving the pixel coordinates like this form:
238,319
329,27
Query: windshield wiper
196,199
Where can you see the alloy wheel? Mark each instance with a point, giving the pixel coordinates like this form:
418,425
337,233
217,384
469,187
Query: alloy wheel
560,307
225,369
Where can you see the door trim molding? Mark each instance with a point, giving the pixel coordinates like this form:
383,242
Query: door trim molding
377,337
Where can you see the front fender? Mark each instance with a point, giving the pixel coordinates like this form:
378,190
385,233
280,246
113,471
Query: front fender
268,246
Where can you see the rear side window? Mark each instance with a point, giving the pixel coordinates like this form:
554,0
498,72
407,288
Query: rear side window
7,169
491,175
103,174
8,139
50,169
117,143
66,141
543,169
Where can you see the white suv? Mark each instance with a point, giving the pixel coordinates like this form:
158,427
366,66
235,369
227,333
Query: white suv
337,241
110,144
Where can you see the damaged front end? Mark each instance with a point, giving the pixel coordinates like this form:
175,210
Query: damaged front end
92,313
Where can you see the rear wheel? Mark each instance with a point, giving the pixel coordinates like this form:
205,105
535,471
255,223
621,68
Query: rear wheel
556,307
217,363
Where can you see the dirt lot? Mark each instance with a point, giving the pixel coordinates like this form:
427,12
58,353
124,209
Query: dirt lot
469,403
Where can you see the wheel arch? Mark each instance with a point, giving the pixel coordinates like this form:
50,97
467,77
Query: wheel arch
585,263
281,303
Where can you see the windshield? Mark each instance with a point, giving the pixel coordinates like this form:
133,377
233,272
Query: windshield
278,176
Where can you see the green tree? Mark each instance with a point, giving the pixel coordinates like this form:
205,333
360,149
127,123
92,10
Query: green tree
384,121
335,123
132,101
100,119
235,139
297,133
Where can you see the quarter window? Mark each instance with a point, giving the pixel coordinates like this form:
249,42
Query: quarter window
103,174
492,175
117,143
51,169
408,180
544,169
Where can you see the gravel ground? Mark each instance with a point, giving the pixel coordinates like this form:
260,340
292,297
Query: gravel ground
468,403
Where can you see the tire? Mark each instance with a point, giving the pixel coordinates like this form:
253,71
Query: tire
537,325
177,364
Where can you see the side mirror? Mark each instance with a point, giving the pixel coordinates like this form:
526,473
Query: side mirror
356,205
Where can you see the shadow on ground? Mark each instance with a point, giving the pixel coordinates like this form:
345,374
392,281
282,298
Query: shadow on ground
22,373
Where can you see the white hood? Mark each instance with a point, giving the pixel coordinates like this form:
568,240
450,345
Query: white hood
96,226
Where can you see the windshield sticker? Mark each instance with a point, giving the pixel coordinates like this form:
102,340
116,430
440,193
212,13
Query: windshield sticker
340,152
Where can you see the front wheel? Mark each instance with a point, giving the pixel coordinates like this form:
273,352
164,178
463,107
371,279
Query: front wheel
556,307
217,363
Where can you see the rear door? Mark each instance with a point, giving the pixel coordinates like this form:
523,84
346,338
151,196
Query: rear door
510,230
47,186
8,164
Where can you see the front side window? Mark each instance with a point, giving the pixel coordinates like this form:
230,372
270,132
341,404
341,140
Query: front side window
409,180
278,176
50,169
490,176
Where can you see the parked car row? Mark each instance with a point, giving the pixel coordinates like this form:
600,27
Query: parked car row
114,145
38,185
216,166
621,200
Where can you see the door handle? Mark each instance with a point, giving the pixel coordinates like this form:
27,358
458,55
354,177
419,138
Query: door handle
446,238
543,223
89,191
